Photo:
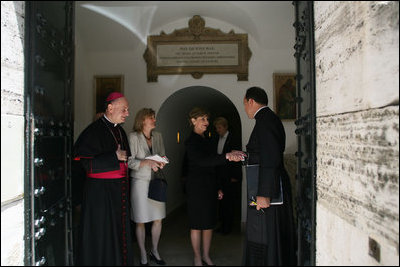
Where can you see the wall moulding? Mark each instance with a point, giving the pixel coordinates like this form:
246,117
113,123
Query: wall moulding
197,50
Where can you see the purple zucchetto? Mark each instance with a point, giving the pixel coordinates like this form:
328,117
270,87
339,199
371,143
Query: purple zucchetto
114,95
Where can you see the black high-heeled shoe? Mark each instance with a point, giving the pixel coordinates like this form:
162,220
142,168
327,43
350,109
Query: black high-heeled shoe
206,264
153,258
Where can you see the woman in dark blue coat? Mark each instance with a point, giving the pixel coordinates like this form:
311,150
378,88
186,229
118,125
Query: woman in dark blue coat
201,185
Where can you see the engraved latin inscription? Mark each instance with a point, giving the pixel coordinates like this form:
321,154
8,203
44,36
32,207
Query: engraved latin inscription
197,55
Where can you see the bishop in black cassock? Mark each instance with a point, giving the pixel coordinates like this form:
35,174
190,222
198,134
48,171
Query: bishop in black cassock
103,149
270,234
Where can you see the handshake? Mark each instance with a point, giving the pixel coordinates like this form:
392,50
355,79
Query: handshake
236,155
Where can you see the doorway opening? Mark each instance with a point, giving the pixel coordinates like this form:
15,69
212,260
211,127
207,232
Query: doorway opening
172,120
168,112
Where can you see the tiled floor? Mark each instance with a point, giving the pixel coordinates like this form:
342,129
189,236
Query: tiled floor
175,247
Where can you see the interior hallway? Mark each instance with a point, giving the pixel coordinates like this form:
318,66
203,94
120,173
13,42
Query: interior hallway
175,247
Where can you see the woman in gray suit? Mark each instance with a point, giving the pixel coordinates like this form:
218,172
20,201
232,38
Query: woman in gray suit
143,142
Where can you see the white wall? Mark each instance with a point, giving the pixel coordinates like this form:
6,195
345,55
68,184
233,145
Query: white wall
140,93
84,91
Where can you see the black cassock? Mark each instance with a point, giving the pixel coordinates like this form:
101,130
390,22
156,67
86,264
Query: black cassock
105,234
270,235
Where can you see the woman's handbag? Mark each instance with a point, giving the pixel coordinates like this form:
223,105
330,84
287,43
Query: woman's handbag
158,188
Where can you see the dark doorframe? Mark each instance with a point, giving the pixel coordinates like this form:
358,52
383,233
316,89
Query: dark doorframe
306,132
49,76
49,68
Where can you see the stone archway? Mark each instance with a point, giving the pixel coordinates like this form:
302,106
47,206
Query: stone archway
173,118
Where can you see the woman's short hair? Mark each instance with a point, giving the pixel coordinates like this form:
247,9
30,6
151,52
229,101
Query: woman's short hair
257,94
221,121
141,116
197,112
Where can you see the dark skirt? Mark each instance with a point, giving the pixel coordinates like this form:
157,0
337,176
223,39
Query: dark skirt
105,237
201,202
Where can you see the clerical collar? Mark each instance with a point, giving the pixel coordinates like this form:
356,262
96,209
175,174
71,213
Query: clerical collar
115,124
259,110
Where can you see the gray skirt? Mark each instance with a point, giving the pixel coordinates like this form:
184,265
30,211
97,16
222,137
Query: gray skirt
143,209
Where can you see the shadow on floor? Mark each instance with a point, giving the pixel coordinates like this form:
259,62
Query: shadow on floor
175,247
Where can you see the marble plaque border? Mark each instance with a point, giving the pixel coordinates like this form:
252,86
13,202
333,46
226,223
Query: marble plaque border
197,34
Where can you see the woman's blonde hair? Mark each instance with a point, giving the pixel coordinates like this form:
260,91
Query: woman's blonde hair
197,112
141,116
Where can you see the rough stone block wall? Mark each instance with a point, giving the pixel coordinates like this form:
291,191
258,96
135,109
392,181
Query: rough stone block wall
357,55
12,132
12,58
357,83
12,99
358,177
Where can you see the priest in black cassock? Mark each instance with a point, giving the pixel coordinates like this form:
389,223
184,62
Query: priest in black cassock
103,149
270,234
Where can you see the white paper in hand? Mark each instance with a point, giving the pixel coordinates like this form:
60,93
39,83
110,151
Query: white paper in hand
158,158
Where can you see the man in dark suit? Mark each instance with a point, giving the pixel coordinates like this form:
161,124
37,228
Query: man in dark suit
230,177
270,235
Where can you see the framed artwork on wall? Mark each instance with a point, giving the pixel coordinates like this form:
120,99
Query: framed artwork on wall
285,95
103,86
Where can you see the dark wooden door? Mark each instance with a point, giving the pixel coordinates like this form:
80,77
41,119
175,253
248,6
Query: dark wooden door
305,131
48,131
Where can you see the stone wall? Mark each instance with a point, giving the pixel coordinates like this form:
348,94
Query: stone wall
358,180
12,132
357,74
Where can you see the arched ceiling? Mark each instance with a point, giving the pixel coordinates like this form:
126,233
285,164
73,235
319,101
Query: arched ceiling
173,115
116,25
